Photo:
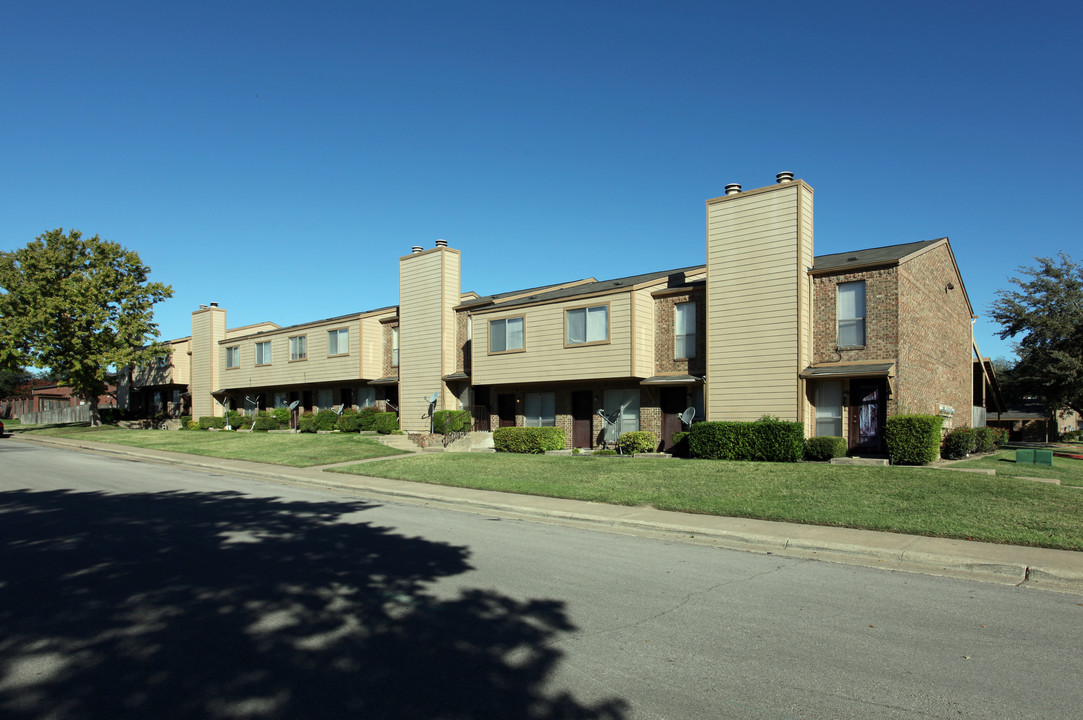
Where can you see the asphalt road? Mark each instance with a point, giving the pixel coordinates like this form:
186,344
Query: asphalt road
135,590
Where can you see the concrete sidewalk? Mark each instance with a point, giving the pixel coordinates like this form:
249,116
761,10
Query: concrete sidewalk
1058,570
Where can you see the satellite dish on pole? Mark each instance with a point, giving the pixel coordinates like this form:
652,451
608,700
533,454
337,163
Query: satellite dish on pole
432,409
687,416
294,404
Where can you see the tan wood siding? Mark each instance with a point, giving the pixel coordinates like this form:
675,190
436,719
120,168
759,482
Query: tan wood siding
757,305
546,359
317,368
643,345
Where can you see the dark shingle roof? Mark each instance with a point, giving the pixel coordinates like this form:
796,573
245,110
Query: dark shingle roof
675,278
873,256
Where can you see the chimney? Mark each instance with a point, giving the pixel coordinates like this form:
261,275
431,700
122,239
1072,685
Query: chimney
784,177
214,304
441,243
733,188
416,249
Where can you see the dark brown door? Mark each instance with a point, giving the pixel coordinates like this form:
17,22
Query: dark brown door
672,404
582,417
481,409
867,410
505,408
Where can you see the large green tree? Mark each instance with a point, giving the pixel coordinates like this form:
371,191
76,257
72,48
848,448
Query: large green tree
77,307
1045,313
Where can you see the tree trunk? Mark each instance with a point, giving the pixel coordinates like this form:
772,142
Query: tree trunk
95,416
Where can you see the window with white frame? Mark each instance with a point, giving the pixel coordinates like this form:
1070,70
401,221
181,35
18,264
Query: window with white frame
395,346
506,335
298,348
540,409
829,408
263,353
233,356
684,329
851,314
338,341
587,325
626,403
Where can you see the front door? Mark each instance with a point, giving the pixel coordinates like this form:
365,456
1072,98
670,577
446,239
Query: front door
867,410
505,408
672,403
582,417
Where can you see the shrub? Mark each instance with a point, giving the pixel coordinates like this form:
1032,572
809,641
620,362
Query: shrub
235,417
446,422
185,421
306,423
639,441
367,416
326,419
1001,436
385,423
192,425
207,422
958,443
282,415
824,447
984,440
680,445
528,439
604,451
263,423
1070,436
766,439
913,439
349,421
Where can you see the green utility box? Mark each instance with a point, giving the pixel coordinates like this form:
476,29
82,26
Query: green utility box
1027,456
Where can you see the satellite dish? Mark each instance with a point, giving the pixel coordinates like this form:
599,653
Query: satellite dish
433,397
688,415
294,404
340,409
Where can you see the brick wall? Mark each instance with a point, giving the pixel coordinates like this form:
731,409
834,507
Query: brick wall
664,340
935,341
389,370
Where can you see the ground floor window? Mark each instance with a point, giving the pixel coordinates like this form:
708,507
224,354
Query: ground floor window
540,409
622,405
325,398
366,395
829,408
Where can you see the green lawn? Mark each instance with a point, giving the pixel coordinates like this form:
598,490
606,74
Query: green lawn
918,501
300,450
1067,470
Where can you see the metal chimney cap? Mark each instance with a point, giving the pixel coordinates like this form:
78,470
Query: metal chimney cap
214,304
416,249
441,243
733,188
784,177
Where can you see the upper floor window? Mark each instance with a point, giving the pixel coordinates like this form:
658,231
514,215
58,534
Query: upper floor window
851,314
395,346
338,341
233,356
587,325
263,353
506,335
164,362
684,329
298,348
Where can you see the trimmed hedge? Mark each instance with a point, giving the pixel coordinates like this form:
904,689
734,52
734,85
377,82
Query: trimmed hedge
282,415
452,421
326,419
680,445
385,423
985,439
207,422
913,439
307,423
765,440
349,421
638,441
824,447
263,423
528,439
367,416
958,443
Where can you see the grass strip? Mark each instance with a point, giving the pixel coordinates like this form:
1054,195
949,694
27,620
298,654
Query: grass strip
1067,470
938,503
293,450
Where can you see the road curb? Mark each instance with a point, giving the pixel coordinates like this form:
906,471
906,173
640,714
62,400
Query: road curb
1039,568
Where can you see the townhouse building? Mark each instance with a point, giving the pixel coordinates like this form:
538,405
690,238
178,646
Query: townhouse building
839,342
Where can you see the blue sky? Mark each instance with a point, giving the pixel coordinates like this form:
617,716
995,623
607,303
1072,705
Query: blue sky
278,158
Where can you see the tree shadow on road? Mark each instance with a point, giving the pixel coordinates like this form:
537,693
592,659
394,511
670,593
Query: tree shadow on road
218,605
